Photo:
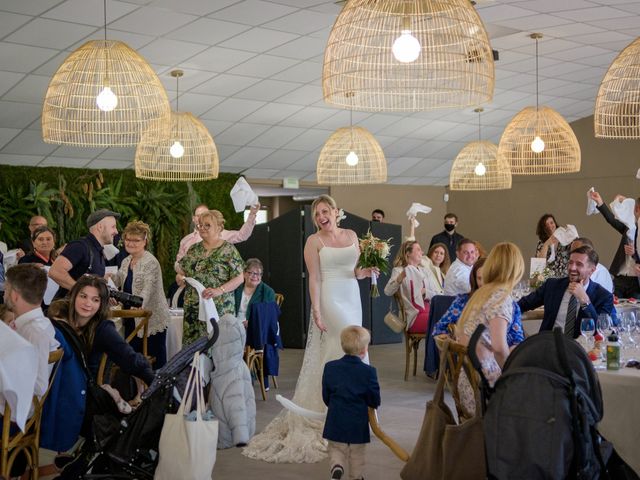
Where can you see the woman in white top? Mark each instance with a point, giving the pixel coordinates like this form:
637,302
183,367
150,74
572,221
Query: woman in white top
411,278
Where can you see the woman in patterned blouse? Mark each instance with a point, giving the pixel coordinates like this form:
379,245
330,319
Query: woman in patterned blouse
217,265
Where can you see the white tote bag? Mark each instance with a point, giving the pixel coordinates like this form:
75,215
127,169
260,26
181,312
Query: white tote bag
188,448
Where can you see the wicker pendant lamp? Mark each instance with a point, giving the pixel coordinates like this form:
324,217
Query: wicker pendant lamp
408,55
187,154
351,156
617,113
538,140
104,95
477,166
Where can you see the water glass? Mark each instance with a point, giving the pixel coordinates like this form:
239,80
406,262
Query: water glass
587,329
604,324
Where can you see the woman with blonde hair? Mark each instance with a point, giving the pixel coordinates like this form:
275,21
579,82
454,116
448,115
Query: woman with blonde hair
492,306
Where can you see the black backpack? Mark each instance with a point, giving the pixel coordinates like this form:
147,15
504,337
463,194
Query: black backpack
541,417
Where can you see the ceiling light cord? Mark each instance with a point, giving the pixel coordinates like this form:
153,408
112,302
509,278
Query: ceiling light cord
177,93
537,104
104,10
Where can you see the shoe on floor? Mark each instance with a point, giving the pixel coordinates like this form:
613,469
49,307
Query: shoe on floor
337,472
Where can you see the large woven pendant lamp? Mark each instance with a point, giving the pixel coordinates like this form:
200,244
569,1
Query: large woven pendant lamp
408,55
351,156
187,154
617,113
104,95
477,166
538,140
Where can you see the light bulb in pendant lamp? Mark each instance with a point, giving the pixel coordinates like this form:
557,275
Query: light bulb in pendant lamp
537,145
176,150
352,159
477,167
480,169
406,48
106,100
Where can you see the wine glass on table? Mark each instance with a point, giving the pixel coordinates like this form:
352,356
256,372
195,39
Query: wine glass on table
587,329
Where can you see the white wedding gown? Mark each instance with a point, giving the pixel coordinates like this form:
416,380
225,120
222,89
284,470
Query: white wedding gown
290,438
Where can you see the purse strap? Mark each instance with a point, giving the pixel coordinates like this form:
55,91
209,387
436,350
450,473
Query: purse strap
438,396
193,383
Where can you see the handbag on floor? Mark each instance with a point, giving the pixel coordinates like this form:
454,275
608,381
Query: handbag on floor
446,449
393,321
188,447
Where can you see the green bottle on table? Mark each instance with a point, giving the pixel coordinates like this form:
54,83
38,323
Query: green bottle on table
613,352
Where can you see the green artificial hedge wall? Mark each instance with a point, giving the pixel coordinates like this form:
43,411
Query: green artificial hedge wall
65,196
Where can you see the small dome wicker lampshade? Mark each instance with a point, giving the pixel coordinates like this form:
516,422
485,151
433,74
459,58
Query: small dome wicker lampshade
198,159
617,112
560,151
408,55
338,166
477,167
70,113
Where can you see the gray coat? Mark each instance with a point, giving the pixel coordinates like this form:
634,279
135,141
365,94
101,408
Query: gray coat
231,395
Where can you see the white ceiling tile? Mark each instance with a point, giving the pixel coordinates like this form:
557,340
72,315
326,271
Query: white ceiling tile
165,51
8,80
42,32
194,7
276,137
208,31
263,66
312,177
568,30
599,60
281,159
308,117
11,21
89,12
241,133
20,160
547,46
232,109
424,167
305,95
22,58
191,79
402,147
308,162
500,12
261,173
253,12
301,48
630,7
215,127
304,72
230,169
247,156
311,139
6,134
268,90
133,40
18,114
153,21
550,6
196,103
124,154
403,126
291,173
302,22
76,162
216,59
225,151
272,113
29,142
591,14
526,23
31,89
259,40
341,118
28,8
399,165
579,54
75,152
225,85
108,164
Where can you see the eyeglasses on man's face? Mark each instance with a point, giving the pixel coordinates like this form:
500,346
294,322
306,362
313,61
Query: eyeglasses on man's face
254,274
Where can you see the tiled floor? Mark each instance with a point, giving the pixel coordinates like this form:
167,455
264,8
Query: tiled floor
400,416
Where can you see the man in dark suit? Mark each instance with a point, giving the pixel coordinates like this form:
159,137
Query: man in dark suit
449,236
569,299
624,265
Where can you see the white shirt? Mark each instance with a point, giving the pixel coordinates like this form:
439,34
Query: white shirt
457,280
602,277
38,330
564,307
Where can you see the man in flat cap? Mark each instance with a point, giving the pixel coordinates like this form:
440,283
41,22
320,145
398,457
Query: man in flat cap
85,254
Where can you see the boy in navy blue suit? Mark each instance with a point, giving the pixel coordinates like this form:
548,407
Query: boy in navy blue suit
349,387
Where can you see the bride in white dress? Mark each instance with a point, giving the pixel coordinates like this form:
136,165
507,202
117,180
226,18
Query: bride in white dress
331,256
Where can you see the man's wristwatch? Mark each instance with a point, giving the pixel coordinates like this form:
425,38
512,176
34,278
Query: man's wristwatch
585,305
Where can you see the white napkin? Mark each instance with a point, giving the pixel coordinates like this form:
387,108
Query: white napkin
52,288
413,211
623,211
566,235
10,258
207,308
638,174
109,251
242,196
592,208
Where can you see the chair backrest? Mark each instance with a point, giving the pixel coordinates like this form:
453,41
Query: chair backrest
457,360
402,313
279,299
143,324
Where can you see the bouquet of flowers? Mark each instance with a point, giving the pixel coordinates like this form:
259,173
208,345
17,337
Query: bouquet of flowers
538,278
374,254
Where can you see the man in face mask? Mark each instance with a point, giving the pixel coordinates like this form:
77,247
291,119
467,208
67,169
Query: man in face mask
449,236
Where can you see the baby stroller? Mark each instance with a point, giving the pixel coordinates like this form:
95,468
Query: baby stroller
126,446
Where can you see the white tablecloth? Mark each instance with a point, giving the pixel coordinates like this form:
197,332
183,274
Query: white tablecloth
18,371
174,332
621,422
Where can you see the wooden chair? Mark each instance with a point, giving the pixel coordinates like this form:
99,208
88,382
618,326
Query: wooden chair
27,442
255,359
411,340
457,360
143,324
398,451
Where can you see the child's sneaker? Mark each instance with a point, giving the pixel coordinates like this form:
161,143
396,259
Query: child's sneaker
337,472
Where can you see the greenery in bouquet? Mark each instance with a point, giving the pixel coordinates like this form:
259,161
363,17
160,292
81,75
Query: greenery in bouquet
538,278
374,253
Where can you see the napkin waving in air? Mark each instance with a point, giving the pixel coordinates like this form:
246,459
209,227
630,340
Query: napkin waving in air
623,208
242,196
414,210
